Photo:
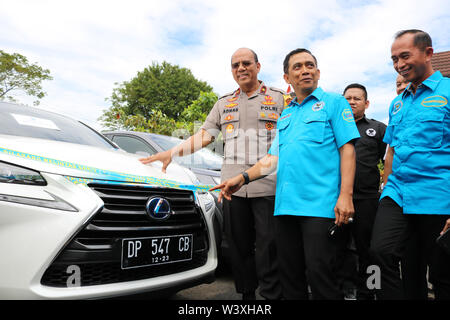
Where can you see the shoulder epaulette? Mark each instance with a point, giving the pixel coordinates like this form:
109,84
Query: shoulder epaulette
278,90
227,94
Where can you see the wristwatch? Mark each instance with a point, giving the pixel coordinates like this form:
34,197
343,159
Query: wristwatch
246,178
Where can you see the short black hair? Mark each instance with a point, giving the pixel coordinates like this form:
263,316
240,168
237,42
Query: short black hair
356,86
290,54
422,40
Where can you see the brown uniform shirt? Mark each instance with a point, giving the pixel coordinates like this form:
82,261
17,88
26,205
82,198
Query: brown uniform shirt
248,126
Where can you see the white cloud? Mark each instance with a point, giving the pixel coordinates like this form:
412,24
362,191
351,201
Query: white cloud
90,45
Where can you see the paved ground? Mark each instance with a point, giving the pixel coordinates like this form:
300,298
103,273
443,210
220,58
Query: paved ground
221,289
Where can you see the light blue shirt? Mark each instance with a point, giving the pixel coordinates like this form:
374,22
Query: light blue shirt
419,132
307,144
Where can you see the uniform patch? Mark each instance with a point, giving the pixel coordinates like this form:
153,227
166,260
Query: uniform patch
229,117
263,89
262,115
287,99
273,116
269,125
347,115
434,101
397,106
286,116
268,101
232,99
230,110
371,132
231,105
318,106
269,108
229,128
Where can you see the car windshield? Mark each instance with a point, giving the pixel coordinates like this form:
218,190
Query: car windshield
18,120
203,159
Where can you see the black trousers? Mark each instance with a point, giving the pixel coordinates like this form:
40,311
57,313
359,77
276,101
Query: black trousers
249,228
306,255
414,271
391,233
350,270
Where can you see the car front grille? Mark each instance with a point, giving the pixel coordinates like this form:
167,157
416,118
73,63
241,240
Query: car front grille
97,249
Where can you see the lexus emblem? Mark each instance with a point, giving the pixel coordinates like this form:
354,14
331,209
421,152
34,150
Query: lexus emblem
158,208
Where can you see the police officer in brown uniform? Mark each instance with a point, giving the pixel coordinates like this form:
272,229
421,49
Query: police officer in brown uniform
247,119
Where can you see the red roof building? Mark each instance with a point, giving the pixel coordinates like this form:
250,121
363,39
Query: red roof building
441,61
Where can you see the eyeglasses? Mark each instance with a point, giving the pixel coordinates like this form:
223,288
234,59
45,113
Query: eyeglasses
244,63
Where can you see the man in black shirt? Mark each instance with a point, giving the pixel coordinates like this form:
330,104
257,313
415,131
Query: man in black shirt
370,149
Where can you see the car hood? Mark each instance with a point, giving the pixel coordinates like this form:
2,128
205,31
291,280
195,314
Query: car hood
87,162
207,172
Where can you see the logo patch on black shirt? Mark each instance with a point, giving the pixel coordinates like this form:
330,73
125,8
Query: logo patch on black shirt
371,132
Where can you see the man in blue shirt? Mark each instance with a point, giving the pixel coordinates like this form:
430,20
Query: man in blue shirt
315,155
416,197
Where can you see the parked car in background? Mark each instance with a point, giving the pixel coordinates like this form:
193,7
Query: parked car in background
204,163
81,218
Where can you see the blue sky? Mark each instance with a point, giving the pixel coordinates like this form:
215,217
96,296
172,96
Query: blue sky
91,45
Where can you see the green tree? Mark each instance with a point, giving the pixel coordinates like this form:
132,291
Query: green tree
160,99
17,74
168,88
198,110
158,122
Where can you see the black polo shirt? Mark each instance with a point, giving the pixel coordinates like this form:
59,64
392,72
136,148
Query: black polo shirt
370,148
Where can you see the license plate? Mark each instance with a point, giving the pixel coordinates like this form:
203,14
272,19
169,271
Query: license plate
142,252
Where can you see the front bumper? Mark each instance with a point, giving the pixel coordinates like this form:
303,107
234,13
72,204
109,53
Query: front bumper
38,245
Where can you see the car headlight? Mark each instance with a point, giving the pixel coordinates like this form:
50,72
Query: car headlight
207,199
10,173
56,203
14,174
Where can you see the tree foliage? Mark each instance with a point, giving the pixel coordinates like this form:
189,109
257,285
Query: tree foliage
198,110
160,99
157,122
168,88
17,74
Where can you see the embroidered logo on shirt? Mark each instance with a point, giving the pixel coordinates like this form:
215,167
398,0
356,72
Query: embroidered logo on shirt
397,106
229,117
231,105
371,132
434,101
318,106
269,125
285,117
262,115
263,89
232,99
268,101
347,115
230,128
273,116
